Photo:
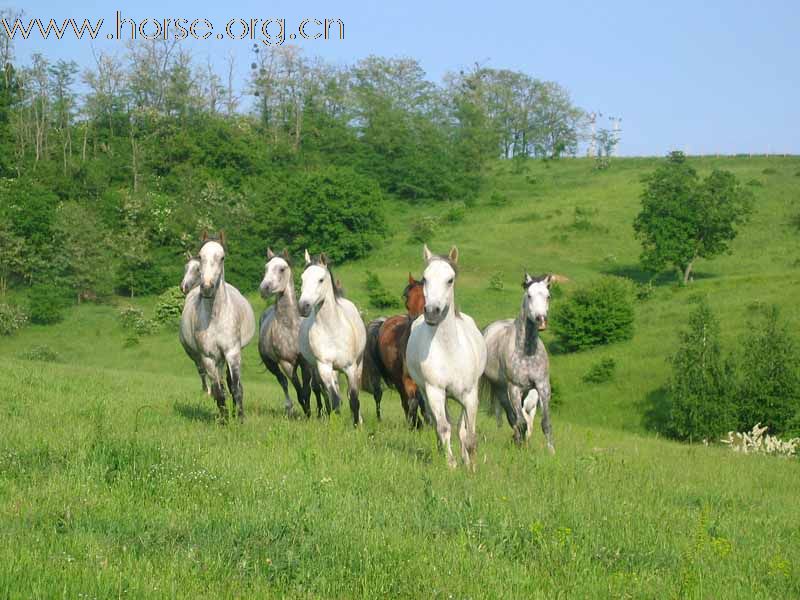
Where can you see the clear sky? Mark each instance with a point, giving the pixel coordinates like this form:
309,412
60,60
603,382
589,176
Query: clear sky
705,77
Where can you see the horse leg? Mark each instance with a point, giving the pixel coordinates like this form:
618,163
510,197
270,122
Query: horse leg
515,401
436,401
409,400
501,402
288,371
234,360
529,410
203,381
331,382
545,391
213,372
353,373
275,369
301,386
466,429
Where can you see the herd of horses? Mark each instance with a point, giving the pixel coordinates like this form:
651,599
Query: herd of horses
431,353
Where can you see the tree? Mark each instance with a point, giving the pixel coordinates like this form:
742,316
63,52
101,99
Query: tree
702,388
684,218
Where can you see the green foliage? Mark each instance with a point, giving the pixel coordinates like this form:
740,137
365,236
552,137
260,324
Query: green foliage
133,321
600,313
684,218
332,209
600,372
12,318
169,307
769,377
423,228
379,296
498,199
496,282
41,353
645,291
455,213
755,183
46,304
702,386
769,171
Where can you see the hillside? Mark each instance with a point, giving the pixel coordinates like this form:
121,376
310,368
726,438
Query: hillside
114,476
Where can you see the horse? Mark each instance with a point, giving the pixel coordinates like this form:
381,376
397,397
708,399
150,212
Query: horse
191,279
279,333
518,367
216,323
446,356
333,336
385,355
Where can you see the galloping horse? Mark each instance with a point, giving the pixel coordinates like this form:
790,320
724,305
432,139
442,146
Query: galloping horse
217,322
446,356
518,367
332,337
191,279
385,356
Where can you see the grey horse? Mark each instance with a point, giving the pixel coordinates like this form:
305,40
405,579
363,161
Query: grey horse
279,334
216,323
191,279
518,370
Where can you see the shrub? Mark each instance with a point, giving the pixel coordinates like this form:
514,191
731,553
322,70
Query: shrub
601,313
423,228
645,291
46,305
455,214
769,378
169,307
133,321
755,183
701,387
601,372
12,318
40,353
496,282
379,296
769,171
498,199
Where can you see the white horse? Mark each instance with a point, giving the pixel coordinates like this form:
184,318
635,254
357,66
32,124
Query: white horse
446,356
191,279
518,366
333,336
217,322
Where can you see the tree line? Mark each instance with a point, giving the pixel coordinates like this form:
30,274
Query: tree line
102,189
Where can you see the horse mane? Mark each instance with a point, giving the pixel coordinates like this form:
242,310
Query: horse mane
536,279
453,265
337,291
211,239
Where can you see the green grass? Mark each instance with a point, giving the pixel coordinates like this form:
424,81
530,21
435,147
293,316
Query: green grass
116,482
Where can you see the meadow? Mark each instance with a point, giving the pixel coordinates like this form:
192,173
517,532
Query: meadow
115,480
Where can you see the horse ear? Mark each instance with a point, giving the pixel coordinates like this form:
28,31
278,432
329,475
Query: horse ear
527,280
204,237
222,238
188,255
454,255
323,259
285,254
307,256
270,253
411,280
426,253
549,278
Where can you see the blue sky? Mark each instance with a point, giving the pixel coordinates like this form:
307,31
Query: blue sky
703,77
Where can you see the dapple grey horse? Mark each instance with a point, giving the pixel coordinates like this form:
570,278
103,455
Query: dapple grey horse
191,279
217,322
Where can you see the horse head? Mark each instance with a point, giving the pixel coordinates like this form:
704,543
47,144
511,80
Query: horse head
317,284
277,274
212,264
536,302
191,273
438,283
414,296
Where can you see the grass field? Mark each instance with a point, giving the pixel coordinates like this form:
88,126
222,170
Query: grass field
116,482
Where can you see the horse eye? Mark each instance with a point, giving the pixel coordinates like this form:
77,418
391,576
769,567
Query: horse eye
283,269
450,281
321,279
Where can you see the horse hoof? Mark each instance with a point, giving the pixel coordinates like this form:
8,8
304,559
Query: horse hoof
550,449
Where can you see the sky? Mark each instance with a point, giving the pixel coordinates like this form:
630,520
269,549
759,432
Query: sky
702,77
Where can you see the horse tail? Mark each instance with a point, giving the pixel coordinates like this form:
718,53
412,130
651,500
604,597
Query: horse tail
374,370
488,391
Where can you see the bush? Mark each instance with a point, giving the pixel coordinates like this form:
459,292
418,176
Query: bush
169,307
423,228
601,313
769,378
46,305
133,321
498,199
701,388
12,318
755,183
41,354
769,171
496,282
601,372
645,291
379,296
455,214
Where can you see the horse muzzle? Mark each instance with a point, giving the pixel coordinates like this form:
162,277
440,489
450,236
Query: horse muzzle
265,290
541,323
304,308
435,315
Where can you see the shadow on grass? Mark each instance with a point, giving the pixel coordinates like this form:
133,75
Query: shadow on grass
195,412
655,410
639,275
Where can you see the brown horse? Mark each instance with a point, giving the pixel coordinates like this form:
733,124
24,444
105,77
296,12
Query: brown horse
386,354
